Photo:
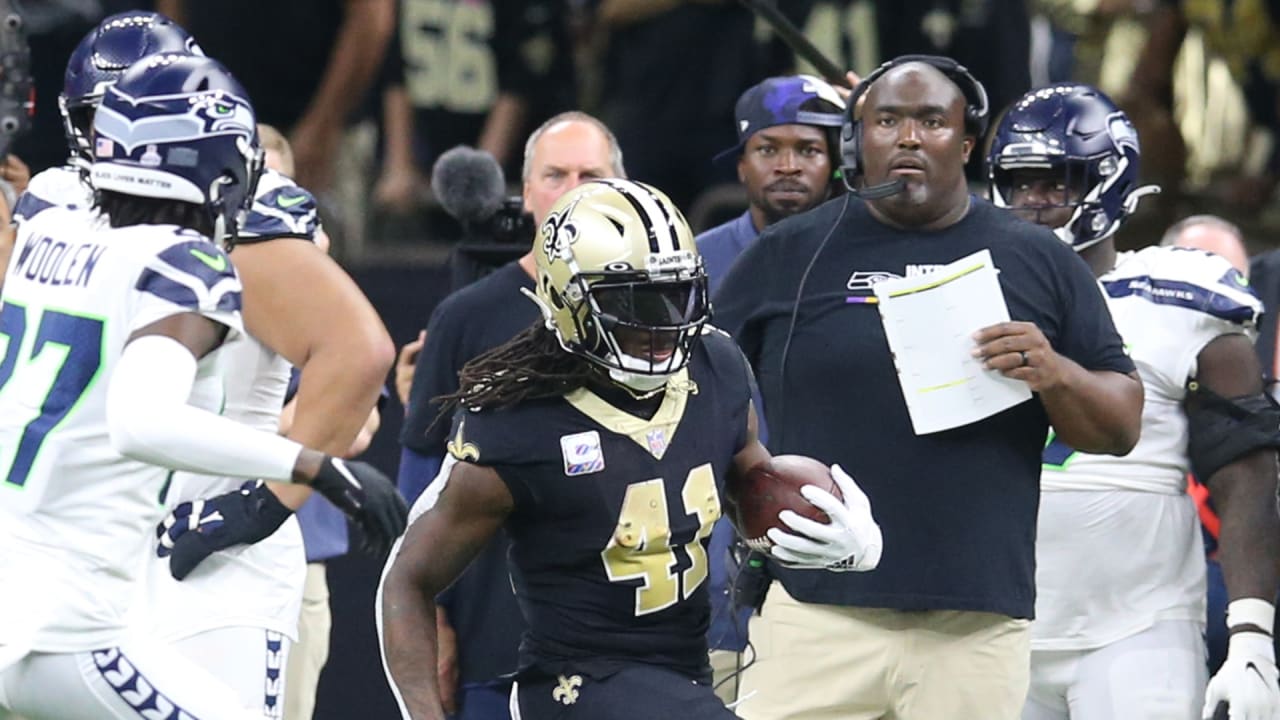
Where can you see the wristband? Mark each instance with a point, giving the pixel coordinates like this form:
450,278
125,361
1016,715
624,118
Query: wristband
1251,611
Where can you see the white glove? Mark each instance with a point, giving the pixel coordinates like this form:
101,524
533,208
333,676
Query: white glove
1247,681
851,541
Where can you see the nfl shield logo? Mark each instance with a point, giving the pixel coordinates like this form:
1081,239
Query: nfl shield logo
657,441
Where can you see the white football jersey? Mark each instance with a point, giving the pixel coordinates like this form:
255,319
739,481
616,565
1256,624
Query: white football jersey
1119,546
256,585
77,519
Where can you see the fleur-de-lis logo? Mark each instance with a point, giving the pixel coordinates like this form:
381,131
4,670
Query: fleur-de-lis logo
558,233
461,449
566,691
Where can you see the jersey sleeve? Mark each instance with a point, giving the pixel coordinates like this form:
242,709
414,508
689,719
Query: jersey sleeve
189,275
55,187
281,209
1203,297
491,438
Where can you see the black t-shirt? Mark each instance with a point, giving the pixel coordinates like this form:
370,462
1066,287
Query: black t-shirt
957,508
613,512
467,323
456,56
278,50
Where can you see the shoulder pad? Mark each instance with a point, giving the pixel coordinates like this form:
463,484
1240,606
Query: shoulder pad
55,187
280,209
1186,278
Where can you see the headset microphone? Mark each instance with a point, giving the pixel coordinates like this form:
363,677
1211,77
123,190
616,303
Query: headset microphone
883,190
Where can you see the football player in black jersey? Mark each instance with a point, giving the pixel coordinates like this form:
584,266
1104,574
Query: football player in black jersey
601,438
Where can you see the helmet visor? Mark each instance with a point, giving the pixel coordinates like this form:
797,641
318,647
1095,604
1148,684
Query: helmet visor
649,327
651,304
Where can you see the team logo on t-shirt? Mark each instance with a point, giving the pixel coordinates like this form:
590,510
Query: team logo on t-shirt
866,280
582,453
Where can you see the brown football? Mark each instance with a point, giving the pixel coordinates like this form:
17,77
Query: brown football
754,500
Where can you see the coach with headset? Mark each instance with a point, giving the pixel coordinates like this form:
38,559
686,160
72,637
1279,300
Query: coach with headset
939,630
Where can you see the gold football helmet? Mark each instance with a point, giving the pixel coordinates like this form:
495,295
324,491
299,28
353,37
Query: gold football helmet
620,281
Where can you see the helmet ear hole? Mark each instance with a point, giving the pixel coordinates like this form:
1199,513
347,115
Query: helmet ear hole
552,294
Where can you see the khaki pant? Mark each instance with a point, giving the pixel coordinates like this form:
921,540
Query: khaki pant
309,655
828,662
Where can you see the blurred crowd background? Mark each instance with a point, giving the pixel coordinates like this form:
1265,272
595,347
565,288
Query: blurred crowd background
371,92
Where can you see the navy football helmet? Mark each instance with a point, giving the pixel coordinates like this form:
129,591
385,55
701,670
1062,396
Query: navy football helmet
1079,132
179,127
101,58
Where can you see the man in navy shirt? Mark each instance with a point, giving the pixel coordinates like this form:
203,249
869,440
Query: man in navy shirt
787,152
939,631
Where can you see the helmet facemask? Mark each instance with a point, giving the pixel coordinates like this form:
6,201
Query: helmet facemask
643,325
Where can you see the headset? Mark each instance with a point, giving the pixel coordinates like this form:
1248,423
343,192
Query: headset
976,112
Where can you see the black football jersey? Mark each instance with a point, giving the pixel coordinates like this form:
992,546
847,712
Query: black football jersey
613,513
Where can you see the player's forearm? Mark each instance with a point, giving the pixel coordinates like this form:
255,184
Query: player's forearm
397,128
1095,411
357,55
339,388
501,126
148,419
618,13
409,644
1244,493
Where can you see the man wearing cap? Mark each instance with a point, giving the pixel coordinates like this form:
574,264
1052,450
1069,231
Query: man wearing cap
788,142
788,139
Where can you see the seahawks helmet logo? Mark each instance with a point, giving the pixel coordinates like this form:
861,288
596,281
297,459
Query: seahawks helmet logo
192,116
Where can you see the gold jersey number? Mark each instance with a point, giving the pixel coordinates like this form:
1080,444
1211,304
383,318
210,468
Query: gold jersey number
449,62
640,548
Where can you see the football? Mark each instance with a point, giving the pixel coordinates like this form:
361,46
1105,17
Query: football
754,500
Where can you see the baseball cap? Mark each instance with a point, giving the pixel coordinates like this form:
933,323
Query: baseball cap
777,101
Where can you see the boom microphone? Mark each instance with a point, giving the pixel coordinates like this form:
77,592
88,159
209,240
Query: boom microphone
469,184
876,192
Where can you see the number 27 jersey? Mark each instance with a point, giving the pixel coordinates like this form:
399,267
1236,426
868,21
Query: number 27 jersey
76,517
613,513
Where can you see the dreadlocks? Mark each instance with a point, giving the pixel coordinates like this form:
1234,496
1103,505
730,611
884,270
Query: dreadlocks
529,366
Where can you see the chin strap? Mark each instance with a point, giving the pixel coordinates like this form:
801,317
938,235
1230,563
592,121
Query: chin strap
645,385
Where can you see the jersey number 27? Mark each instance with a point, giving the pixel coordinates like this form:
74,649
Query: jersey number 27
64,372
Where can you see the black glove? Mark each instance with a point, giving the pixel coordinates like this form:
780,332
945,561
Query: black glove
197,529
367,497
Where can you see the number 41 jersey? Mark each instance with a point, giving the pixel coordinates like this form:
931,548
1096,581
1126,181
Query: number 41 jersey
76,517
613,513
